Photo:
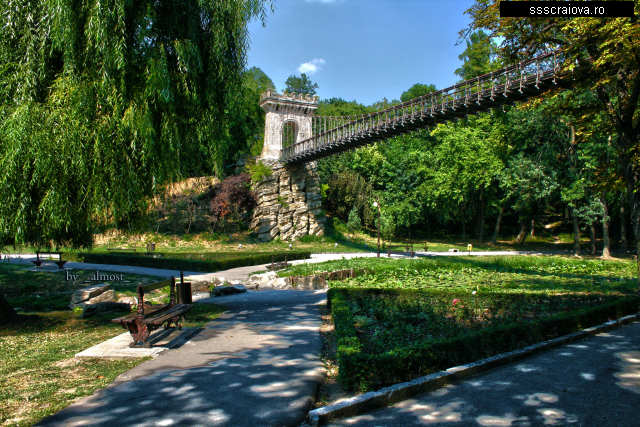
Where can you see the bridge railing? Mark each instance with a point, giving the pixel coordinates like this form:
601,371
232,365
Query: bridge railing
328,131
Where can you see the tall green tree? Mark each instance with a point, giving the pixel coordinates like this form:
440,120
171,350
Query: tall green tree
101,103
387,227
603,54
464,162
416,91
480,56
346,187
354,224
301,85
339,107
257,81
247,119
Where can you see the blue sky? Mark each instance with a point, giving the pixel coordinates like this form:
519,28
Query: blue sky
361,49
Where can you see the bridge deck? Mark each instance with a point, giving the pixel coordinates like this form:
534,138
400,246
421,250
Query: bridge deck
518,82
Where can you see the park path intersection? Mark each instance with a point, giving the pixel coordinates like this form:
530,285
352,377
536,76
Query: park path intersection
258,364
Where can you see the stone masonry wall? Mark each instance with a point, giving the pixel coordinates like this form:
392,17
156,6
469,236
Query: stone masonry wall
289,203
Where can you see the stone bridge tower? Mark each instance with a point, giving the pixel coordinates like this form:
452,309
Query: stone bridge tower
289,200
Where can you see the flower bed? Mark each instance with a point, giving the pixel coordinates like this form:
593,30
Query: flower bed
506,273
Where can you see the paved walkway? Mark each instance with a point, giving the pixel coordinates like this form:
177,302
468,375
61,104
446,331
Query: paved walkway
242,273
590,383
256,365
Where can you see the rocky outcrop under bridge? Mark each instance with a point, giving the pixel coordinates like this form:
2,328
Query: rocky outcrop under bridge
289,203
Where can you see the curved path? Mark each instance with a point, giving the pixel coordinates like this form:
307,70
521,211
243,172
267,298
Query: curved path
258,365
242,273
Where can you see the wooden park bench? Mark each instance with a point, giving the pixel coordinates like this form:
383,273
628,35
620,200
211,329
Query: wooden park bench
150,317
38,262
408,249
278,265
121,249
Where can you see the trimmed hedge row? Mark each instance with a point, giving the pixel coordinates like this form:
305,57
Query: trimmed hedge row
365,371
198,256
166,260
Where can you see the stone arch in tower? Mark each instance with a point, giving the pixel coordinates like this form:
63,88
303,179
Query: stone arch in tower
289,133
287,121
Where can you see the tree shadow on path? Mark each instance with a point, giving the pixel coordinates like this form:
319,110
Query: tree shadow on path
257,365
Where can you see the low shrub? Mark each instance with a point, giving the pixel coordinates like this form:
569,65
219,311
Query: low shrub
385,336
312,239
41,302
231,200
209,262
257,171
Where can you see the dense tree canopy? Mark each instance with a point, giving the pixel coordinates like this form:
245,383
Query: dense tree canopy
339,107
555,162
480,56
246,120
102,103
604,56
111,103
545,160
416,91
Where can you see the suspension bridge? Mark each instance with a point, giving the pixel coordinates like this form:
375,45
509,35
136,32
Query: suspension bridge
519,82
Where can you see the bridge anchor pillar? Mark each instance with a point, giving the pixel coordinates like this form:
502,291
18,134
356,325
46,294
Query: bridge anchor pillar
289,200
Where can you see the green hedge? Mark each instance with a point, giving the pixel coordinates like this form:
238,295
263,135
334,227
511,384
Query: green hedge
364,371
172,261
203,256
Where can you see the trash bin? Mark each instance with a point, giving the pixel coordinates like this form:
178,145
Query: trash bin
184,293
151,247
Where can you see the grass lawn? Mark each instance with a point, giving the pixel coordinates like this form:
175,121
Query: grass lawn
39,374
50,290
405,318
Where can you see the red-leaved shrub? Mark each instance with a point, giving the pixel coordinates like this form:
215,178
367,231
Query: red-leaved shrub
231,200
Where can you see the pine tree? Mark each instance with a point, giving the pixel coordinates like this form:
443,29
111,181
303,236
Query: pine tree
354,224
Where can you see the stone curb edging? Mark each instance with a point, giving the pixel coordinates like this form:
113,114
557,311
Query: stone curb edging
340,253
396,393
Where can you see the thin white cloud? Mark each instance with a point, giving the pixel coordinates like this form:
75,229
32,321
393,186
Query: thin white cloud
312,66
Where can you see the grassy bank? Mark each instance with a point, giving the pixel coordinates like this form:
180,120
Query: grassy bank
39,374
207,242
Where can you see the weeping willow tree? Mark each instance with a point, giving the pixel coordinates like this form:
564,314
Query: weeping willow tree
103,102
